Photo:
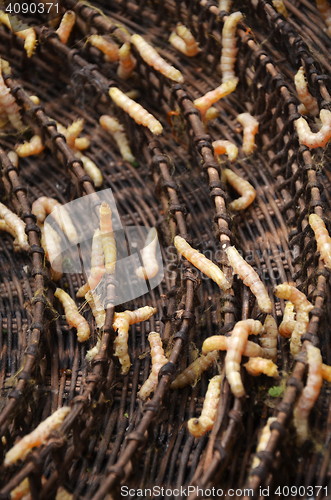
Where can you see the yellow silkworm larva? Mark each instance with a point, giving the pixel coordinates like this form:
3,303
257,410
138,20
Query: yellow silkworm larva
22,491
108,240
326,372
308,102
72,315
148,255
4,227
91,353
211,114
136,111
201,262
33,147
52,247
256,366
16,225
251,127
110,49
325,11
97,308
121,324
193,372
302,307
90,168
67,23
206,101
184,41
116,129
243,187
229,50
314,140
126,62
199,426
152,58
250,279
37,437
287,325
97,265
44,205
82,143
225,5
280,7
268,338
221,343
9,105
73,131
225,147
309,394
236,346
22,30
263,441
322,237
5,67
158,360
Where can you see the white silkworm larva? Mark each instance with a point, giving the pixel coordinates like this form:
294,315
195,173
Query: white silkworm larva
97,265
108,240
126,62
199,426
225,5
314,140
136,111
248,193
201,262
9,105
91,353
225,147
148,255
33,147
263,441
22,30
280,7
309,394
158,360
121,324
37,437
322,237
16,224
325,11
184,41
14,158
52,246
193,372
308,102
97,308
287,325
72,315
251,127
221,343
90,168
250,279
236,346
268,338
44,205
4,227
116,129
110,49
256,366
152,58
67,23
206,101
229,50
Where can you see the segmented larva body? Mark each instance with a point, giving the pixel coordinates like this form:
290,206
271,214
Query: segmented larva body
194,371
73,131
206,101
268,338
248,193
302,307
97,265
256,366
280,7
108,240
52,247
91,353
309,394
201,262
148,255
250,279
90,167
229,50
322,237
72,315
16,225
308,102
116,129
126,62
67,23
137,112
199,426
8,104
287,325
221,343
184,41
37,437
211,114
326,372
152,58
236,346
32,147
4,227
44,205
82,143
263,441
225,5
158,360
13,157
251,127
121,324
16,26
225,147
110,49
97,308
325,11
314,140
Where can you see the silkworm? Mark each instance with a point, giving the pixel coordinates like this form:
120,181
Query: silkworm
97,308
256,366
221,343
150,266
250,279
110,49
287,325
91,353
225,5
82,143
22,491
126,62
263,441
201,262
121,324
194,371
73,131
90,168
137,112
158,360
251,127
225,147
37,437
184,41
32,147
325,11
44,205
108,240
314,140
322,237
9,105
152,58
236,345
302,307
309,394
203,103
16,225
280,7
72,315
248,193
326,372
229,50
52,246
211,114
21,30
97,265
13,157
116,129
268,338
67,23
308,102
199,426
4,227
